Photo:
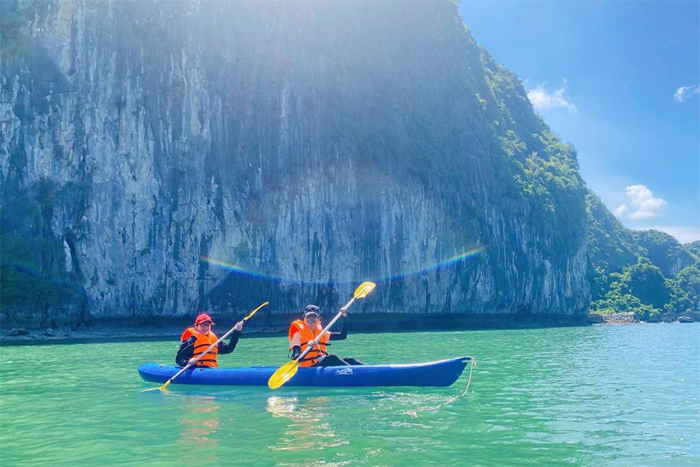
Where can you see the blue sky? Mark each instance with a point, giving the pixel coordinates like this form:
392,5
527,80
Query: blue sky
621,81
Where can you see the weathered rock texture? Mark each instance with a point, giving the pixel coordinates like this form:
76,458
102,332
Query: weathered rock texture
318,143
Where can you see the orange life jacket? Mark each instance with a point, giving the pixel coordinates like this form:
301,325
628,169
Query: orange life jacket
201,344
307,335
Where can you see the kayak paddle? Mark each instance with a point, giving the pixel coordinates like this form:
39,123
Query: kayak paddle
164,386
288,370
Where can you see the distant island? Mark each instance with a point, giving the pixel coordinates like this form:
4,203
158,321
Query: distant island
646,272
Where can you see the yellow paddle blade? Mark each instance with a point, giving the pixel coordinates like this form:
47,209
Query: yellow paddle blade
255,311
363,289
283,374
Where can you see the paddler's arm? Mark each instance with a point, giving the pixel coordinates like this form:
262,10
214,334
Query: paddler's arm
186,351
225,348
295,345
339,336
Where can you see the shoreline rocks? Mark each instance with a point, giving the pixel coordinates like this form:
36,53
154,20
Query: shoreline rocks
621,318
692,317
595,318
111,331
633,318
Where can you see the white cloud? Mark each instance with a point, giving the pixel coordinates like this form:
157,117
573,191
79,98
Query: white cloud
543,99
682,234
641,204
686,92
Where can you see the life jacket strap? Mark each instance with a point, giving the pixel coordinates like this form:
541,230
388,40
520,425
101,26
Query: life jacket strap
318,343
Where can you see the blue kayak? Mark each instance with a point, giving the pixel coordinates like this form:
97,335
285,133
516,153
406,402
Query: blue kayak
437,374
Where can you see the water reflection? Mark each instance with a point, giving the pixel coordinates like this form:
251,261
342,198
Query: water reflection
310,427
198,425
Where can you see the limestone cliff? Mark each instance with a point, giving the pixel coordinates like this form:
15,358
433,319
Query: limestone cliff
314,144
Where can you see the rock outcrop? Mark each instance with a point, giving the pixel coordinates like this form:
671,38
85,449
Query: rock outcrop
163,157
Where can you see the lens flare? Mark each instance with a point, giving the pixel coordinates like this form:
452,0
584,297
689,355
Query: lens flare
471,253
31,274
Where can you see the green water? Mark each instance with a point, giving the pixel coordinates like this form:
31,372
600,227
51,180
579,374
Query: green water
589,396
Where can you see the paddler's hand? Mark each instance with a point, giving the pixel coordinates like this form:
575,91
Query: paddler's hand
343,312
191,361
239,326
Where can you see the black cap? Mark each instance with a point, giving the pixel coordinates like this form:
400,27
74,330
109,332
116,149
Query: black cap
312,310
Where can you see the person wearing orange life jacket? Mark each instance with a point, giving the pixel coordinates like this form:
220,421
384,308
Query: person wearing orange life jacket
195,340
301,332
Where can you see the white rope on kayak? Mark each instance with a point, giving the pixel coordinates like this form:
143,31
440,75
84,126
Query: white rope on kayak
472,364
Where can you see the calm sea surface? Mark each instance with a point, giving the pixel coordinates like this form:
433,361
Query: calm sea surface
588,396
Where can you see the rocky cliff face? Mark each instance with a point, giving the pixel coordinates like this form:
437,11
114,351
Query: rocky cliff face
312,144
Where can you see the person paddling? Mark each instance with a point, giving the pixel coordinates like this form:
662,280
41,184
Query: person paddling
304,331
197,339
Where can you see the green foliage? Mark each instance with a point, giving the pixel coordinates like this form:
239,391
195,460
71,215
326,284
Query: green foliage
625,303
664,251
560,190
687,283
643,289
611,247
694,249
647,282
530,162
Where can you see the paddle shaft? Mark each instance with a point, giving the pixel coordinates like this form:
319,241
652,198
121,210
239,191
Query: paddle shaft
311,344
